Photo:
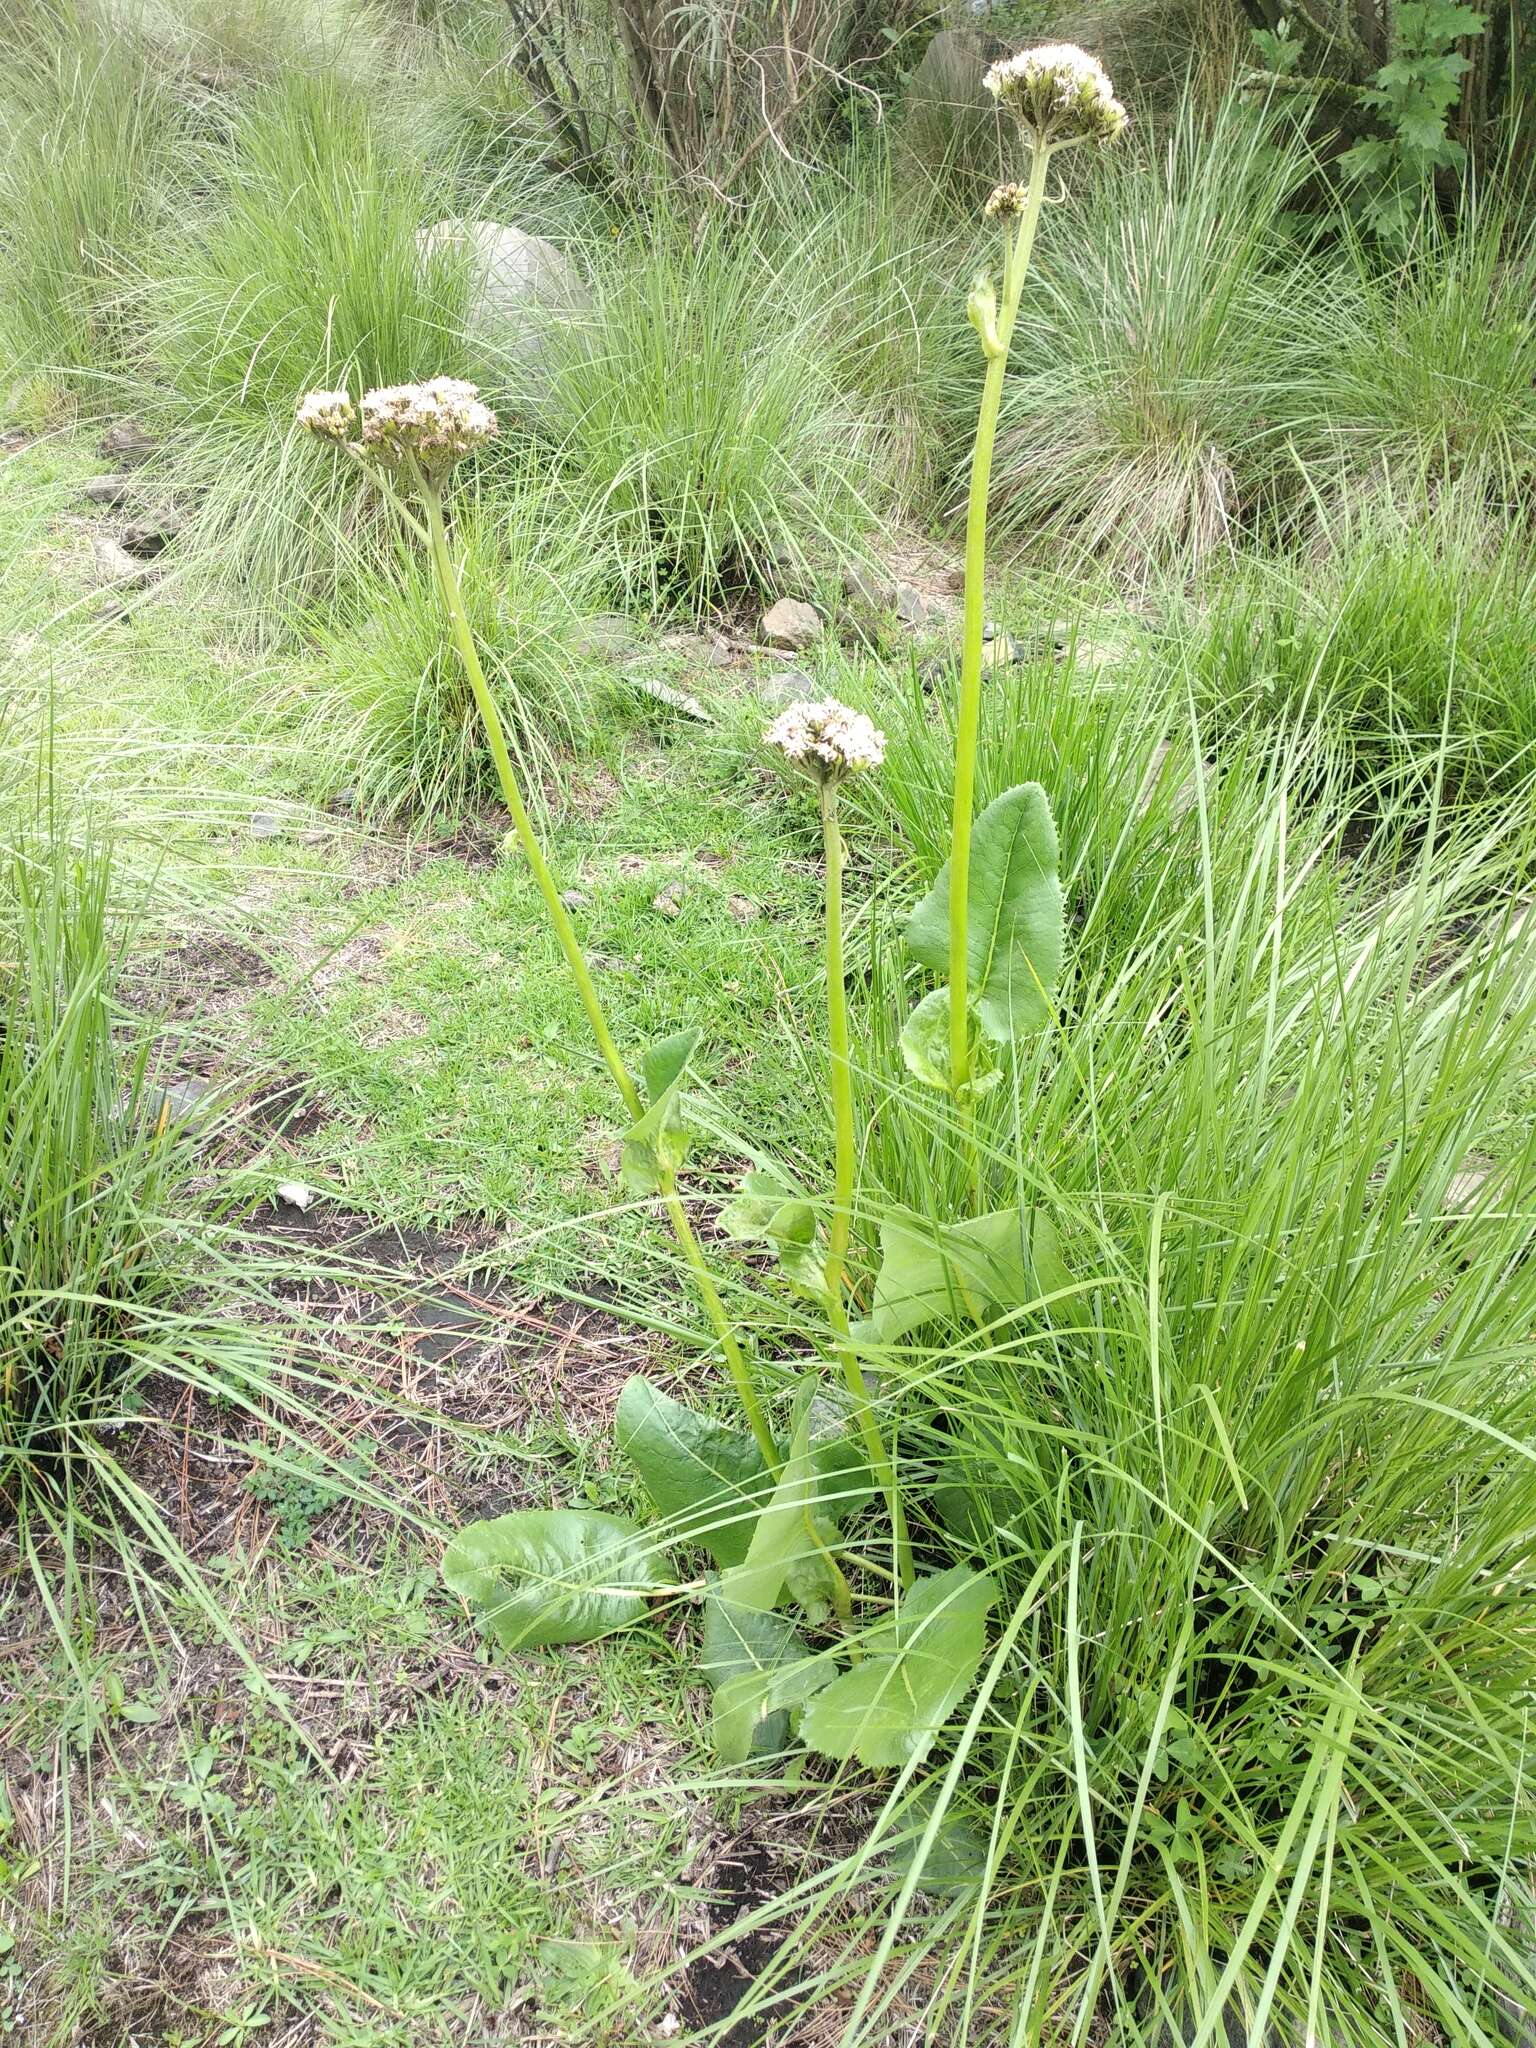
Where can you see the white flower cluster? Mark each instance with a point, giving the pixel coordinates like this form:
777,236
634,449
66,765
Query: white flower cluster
1059,93
827,739
437,422
328,414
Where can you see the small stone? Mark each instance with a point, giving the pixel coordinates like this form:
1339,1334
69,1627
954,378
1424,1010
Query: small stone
127,441
608,636
106,490
154,533
744,909
784,687
912,608
669,901
791,624
1463,1189
114,564
345,798
865,584
266,825
675,700
954,580
1001,651
573,899
183,1098
295,1194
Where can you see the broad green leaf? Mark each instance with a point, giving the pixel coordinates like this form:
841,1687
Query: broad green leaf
937,1272
766,1210
554,1575
925,1045
957,1856
782,1535
747,1660
707,1480
657,1144
1014,931
894,1704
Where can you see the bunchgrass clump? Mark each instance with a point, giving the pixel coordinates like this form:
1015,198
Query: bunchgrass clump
389,711
300,267
1415,626
1165,354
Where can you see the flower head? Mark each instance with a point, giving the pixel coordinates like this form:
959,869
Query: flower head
437,422
328,414
1058,93
1006,202
826,739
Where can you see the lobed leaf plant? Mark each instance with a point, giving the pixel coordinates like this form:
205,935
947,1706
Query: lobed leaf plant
880,1656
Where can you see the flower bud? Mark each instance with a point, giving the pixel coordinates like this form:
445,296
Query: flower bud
1057,93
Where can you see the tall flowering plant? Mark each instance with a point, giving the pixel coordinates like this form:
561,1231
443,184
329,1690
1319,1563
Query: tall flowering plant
815,1617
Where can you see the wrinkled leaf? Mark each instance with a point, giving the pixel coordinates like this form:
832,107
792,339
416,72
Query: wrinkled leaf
1015,935
707,1480
933,1272
766,1210
891,1707
925,1046
554,1575
655,1146
957,1856
749,1660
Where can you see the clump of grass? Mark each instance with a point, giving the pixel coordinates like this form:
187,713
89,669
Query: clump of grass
1162,349
391,712
300,268
697,414
85,188
1412,626
1431,366
1251,1751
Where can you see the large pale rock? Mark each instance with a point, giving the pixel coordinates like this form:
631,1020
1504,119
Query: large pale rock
791,624
518,283
949,121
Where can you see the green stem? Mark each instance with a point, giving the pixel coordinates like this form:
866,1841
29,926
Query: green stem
522,824
1016,257
844,1164
570,945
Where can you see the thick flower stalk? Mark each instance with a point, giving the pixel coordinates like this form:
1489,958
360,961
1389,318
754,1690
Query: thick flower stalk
830,743
1058,97
411,437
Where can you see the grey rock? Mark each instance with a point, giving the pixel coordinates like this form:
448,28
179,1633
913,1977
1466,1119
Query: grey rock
864,583
675,700
115,566
518,283
784,688
912,608
608,636
128,442
948,120
266,825
107,490
791,624
155,531
1000,651
186,1099
573,899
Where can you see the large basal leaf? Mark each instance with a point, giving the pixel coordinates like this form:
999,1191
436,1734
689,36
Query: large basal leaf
782,1537
757,1666
554,1575
893,1705
972,1271
655,1146
1014,930
707,1480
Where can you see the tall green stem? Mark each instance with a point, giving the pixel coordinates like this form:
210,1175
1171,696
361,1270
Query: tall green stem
844,1166
1016,257
522,824
570,945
